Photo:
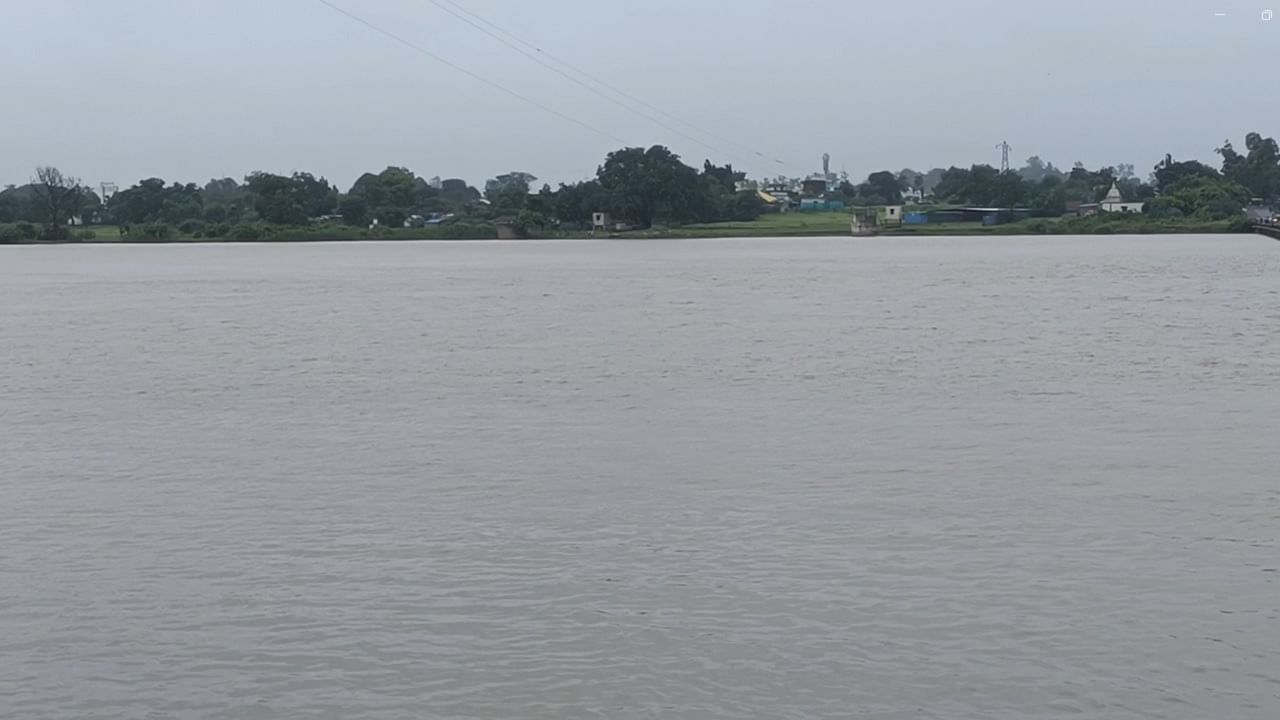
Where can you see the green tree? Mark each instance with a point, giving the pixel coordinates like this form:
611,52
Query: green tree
20,204
883,185
1008,190
9,207
725,175
390,196
1134,190
278,199
743,206
1037,170
646,183
394,187
517,181
138,203
1048,198
223,190
354,210
953,185
509,193
1170,172
182,202
151,201
527,221
575,203
91,208
457,193
1258,171
215,213
316,195
1209,198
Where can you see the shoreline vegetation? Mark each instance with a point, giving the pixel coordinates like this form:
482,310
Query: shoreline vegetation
795,225
650,193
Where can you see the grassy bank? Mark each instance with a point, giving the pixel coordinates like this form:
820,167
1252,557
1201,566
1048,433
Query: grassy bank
262,232
778,225
837,223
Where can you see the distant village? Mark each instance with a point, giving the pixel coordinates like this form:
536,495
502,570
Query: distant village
821,192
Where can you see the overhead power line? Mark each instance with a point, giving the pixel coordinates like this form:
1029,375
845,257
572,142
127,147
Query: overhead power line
491,83
458,13
512,40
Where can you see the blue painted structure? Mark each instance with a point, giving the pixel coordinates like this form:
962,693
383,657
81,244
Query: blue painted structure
820,205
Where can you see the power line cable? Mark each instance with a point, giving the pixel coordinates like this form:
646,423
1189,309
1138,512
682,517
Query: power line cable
516,39
573,79
418,48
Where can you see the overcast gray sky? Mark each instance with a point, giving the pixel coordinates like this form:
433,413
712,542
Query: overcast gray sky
193,89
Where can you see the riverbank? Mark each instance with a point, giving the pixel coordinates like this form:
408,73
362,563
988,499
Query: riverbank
837,223
780,225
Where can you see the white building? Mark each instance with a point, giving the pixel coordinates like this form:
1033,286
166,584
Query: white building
1113,202
913,195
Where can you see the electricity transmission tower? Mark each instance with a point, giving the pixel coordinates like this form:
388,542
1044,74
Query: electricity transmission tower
1004,156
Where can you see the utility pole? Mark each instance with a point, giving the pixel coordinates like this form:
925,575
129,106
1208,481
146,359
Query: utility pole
1004,156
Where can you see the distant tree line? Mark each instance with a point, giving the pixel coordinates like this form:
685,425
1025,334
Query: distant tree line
641,187
637,186
1174,189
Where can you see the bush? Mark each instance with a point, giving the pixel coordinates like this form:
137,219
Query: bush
220,230
191,227
50,233
86,235
1240,224
198,234
466,231
245,232
27,231
10,234
1163,209
744,206
156,232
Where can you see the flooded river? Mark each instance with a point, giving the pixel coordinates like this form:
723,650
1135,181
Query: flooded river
1011,478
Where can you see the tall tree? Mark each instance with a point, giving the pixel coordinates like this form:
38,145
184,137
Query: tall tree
222,190
883,185
517,180
953,185
390,196
457,192
278,199
1170,172
645,183
140,203
61,196
723,174
1037,170
1259,170
90,210
9,207
509,192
